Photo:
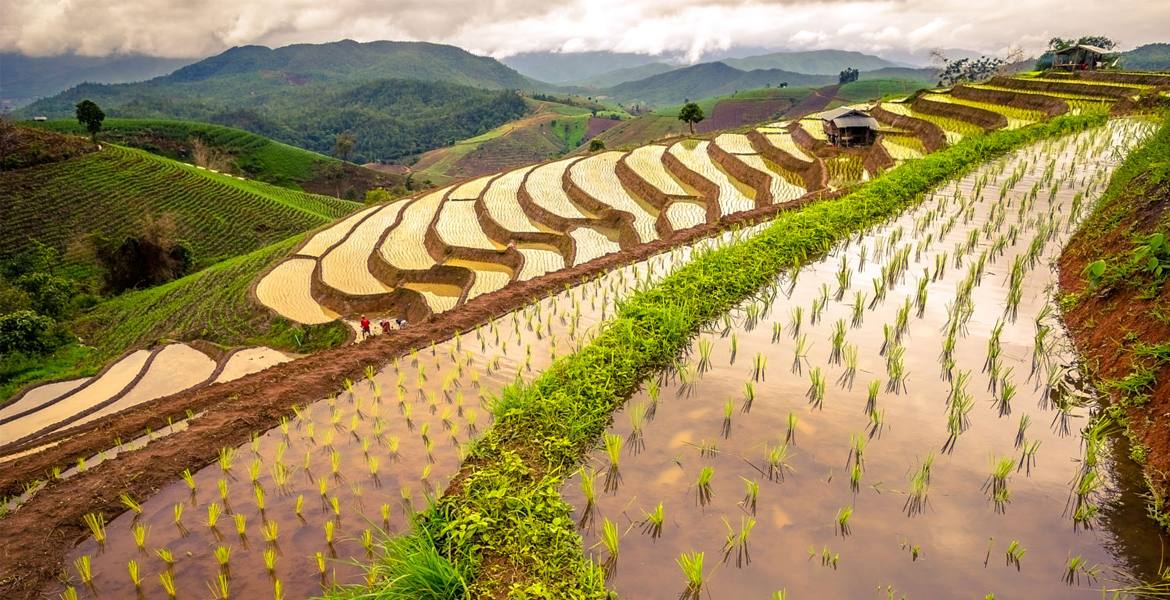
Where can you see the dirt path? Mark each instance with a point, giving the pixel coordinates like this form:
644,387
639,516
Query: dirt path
39,535
814,103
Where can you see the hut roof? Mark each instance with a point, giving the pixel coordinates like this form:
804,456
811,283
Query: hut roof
1073,48
848,117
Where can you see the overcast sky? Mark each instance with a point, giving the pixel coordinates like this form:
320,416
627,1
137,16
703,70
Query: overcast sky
189,28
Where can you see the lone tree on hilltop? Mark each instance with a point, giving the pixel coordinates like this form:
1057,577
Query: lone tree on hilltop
690,114
90,115
343,146
848,76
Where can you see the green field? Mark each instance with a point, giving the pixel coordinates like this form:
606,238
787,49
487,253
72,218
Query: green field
110,193
708,104
868,89
245,153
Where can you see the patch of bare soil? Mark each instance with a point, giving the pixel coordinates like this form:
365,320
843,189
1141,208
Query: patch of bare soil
814,103
732,113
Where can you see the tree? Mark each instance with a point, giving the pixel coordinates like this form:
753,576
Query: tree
849,75
343,146
377,196
1102,41
596,145
26,332
49,295
965,70
90,115
690,114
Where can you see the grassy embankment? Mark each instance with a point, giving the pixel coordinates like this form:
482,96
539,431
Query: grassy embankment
1115,302
502,527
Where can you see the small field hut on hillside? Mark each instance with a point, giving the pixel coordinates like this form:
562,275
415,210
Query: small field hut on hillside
849,127
1081,57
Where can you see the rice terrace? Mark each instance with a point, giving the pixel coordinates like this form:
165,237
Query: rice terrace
664,317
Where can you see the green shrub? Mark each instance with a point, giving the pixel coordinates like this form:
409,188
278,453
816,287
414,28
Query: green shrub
413,569
377,196
26,332
49,295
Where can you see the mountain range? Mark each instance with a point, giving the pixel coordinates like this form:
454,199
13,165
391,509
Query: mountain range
23,79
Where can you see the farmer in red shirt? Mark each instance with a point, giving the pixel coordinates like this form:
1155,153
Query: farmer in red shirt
365,327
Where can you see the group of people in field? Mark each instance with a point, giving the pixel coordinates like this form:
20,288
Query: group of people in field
386,326
397,323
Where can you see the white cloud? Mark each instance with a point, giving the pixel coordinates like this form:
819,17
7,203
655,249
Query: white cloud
181,28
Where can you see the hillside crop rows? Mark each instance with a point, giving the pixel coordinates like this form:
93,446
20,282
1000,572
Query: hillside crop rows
109,191
1017,117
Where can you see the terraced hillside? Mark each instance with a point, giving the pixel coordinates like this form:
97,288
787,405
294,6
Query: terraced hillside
449,246
238,152
111,191
435,252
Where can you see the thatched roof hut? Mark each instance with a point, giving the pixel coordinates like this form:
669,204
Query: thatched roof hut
849,127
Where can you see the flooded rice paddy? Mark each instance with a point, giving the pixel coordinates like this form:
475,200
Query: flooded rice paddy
312,495
902,416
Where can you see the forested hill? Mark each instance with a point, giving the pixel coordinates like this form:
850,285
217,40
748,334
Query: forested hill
705,80
395,98
388,119
811,62
1151,57
347,60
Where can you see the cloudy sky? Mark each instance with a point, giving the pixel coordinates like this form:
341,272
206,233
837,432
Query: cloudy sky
187,28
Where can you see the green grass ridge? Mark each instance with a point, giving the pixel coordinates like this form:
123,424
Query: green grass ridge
506,506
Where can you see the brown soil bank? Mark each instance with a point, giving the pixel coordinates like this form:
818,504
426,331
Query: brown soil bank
1120,321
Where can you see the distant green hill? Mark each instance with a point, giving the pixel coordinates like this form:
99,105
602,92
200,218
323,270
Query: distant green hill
565,68
706,80
112,191
397,98
1151,57
812,62
238,152
617,76
347,60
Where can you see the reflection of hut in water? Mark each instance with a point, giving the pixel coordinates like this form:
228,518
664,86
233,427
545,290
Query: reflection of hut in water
1081,57
849,127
